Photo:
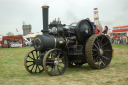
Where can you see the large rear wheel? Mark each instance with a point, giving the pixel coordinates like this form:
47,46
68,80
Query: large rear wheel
98,51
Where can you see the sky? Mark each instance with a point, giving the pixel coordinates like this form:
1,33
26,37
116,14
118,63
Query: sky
14,12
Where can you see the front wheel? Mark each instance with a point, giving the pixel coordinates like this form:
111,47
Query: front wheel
31,62
55,62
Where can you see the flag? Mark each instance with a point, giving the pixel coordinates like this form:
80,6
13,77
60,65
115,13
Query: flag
95,8
16,30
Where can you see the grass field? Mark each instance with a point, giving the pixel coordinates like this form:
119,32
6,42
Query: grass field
12,71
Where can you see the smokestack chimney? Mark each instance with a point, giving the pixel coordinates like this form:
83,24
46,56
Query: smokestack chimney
45,19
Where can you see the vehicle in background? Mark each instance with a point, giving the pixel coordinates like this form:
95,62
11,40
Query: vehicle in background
27,41
119,31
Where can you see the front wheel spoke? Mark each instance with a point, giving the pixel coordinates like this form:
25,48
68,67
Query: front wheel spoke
29,61
52,55
58,69
36,69
30,65
61,62
61,58
36,54
54,70
48,67
61,66
58,56
105,57
49,62
38,57
31,57
51,71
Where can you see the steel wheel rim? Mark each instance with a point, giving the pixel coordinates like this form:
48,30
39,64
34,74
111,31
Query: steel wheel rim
101,52
30,64
98,51
55,62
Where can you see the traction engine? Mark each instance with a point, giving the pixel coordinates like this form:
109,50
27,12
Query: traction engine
58,48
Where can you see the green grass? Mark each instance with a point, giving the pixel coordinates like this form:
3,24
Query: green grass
12,71
120,46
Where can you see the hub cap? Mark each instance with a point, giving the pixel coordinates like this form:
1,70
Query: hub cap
101,51
56,62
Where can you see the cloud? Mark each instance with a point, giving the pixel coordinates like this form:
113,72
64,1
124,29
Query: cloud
111,13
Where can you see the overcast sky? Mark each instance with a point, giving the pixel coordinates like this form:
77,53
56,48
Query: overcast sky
14,12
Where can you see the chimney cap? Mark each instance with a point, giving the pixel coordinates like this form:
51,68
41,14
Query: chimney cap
45,6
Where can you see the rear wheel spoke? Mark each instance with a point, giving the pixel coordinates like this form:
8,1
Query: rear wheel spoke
95,54
101,51
94,50
102,62
96,46
105,44
105,57
98,62
106,50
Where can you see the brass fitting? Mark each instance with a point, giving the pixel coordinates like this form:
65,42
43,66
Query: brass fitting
45,6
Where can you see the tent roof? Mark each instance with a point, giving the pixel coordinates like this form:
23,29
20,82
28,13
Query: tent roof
33,35
1,35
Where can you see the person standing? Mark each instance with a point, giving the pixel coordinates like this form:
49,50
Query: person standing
92,23
97,31
106,32
8,44
0,46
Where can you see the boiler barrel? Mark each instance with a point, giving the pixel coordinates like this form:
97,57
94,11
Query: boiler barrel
46,42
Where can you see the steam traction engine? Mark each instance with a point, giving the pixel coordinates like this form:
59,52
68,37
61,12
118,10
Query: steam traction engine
59,48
